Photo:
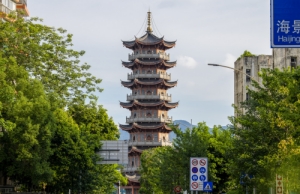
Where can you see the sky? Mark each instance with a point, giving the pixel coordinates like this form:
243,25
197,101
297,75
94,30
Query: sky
207,31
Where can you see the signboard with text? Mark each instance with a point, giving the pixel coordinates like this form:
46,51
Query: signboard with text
285,24
198,173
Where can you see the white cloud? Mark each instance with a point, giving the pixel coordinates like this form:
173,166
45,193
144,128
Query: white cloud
230,59
186,61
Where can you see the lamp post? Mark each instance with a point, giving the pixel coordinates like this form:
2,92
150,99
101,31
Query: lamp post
218,65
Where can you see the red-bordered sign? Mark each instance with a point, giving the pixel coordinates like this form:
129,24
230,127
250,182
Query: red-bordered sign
177,189
195,162
202,162
195,185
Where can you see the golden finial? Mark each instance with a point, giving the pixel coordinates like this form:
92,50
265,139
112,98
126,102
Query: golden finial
149,29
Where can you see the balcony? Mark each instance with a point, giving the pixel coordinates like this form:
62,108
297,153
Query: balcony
149,97
149,75
129,168
163,56
4,10
150,143
148,119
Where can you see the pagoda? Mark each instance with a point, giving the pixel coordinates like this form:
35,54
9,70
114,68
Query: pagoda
149,101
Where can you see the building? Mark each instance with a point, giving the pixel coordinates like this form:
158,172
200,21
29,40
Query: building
149,101
251,66
8,6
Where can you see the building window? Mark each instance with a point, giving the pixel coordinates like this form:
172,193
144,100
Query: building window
149,138
148,114
133,138
293,62
149,93
247,96
248,73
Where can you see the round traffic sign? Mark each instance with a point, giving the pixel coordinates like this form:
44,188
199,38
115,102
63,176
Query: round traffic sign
194,177
195,185
177,189
202,178
194,169
202,170
195,162
202,162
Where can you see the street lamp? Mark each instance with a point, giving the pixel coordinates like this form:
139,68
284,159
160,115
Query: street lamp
218,65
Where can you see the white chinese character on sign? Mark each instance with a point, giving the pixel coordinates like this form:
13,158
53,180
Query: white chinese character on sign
283,26
296,26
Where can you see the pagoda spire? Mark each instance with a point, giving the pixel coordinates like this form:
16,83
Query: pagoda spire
149,28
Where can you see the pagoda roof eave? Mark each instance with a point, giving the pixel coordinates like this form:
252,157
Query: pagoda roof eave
148,104
149,83
137,126
149,63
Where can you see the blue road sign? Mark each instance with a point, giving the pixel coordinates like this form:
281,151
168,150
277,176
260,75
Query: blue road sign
194,169
207,186
202,178
285,24
202,170
194,177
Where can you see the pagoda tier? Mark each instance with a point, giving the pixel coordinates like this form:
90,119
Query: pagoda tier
135,127
159,64
162,105
149,39
160,83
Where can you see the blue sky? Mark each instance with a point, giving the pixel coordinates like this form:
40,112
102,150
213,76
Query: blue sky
207,31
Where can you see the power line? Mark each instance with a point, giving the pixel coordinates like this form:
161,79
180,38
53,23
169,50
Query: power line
155,25
142,25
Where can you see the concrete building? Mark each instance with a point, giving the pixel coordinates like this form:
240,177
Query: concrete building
251,66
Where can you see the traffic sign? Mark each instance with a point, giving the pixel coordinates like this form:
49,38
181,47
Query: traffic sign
202,170
198,173
194,177
202,178
195,162
285,24
194,185
207,186
177,189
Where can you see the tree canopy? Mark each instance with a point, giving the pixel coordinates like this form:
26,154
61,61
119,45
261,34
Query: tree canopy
163,168
266,139
50,123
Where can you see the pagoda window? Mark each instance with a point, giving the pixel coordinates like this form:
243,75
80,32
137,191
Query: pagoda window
149,52
148,114
133,139
134,115
132,163
155,138
142,137
163,116
143,92
149,92
135,93
143,71
149,72
162,93
164,139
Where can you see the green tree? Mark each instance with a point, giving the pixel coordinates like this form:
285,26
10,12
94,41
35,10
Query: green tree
267,136
48,134
165,167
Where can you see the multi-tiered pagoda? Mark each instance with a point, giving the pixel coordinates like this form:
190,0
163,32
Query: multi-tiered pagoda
149,101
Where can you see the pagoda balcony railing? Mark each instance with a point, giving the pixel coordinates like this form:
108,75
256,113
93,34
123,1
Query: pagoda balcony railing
130,168
149,119
149,97
4,10
149,75
163,56
160,142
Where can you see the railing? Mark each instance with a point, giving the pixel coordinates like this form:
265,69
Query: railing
148,119
149,97
4,9
149,75
149,143
153,55
130,168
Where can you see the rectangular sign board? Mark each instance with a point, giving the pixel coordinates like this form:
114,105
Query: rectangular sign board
285,24
198,173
